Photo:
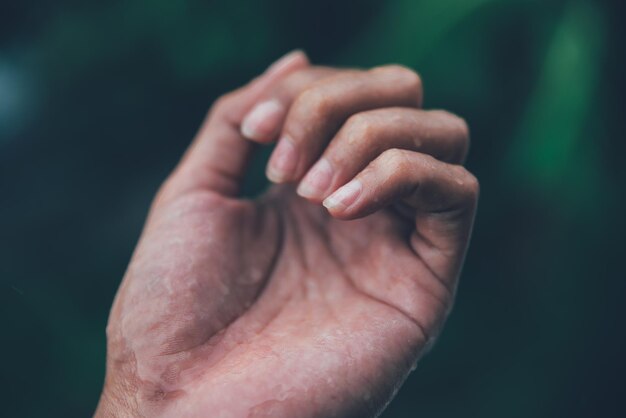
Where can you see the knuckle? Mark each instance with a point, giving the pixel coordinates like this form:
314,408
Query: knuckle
406,79
473,185
413,80
409,76
459,133
459,125
315,100
464,135
463,128
394,160
359,126
470,184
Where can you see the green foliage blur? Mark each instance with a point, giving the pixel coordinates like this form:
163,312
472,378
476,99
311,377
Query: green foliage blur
99,99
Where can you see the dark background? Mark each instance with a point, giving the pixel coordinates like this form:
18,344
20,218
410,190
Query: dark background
99,99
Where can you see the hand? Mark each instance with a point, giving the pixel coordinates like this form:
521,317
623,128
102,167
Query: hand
280,306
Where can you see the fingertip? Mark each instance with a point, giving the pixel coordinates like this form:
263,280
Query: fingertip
332,205
344,197
283,161
306,191
273,175
261,124
315,184
343,214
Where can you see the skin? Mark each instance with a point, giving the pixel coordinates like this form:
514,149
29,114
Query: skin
314,306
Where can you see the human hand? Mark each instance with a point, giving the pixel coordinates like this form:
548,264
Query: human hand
280,306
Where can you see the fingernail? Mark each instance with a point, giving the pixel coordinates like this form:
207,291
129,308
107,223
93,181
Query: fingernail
283,161
316,180
262,120
344,196
285,60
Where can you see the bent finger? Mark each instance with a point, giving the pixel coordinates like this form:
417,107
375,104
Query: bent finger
319,111
442,196
366,135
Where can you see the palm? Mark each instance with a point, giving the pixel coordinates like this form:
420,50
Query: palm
276,285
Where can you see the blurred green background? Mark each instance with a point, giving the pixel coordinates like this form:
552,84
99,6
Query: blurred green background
99,99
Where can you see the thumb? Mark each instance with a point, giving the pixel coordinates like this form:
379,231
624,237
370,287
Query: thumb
217,158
